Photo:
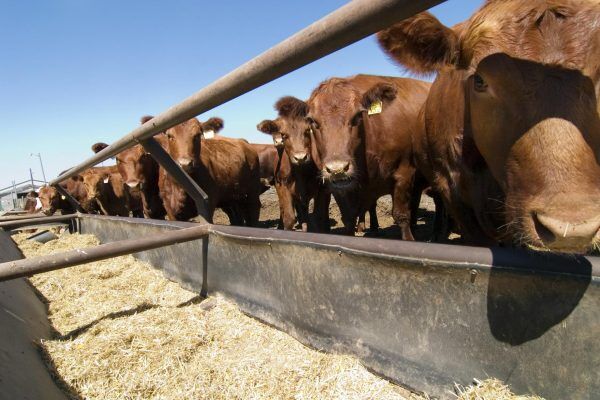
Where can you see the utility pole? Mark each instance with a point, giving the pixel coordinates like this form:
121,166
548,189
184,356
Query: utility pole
38,155
15,195
31,177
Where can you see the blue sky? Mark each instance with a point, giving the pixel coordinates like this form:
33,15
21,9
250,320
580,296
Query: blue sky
74,72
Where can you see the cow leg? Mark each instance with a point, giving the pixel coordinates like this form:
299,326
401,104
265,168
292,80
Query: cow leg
360,228
401,200
374,222
321,210
233,214
252,210
286,207
302,210
441,225
349,212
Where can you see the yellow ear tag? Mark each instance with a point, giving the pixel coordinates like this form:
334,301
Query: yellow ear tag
376,107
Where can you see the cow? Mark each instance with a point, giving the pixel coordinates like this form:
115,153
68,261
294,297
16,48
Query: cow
31,202
511,125
227,170
267,159
106,186
362,127
139,171
52,200
296,175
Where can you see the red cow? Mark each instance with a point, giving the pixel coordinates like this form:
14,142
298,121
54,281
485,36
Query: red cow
511,131
296,175
227,170
363,127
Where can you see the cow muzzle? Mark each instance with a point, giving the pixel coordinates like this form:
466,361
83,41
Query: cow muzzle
300,158
559,235
185,163
338,173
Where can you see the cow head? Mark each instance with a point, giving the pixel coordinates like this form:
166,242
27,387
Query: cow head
94,180
183,142
50,198
133,165
271,127
293,129
212,127
338,116
529,75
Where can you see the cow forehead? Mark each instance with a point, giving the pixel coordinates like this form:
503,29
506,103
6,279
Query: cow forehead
333,98
556,32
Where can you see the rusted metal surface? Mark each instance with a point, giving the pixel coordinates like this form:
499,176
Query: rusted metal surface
424,315
21,268
350,23
35,221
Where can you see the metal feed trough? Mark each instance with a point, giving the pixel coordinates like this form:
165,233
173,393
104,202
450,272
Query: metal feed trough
426,316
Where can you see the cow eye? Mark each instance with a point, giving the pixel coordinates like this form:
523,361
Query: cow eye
308,132
479,84
284,136
312,122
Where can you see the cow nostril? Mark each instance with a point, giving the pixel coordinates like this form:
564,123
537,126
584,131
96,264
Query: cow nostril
561,234
543,232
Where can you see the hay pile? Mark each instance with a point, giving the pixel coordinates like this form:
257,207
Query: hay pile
123,331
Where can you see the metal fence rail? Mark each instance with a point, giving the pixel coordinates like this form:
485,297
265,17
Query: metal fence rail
350,23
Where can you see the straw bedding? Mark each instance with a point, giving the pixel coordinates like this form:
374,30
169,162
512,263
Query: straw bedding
123,331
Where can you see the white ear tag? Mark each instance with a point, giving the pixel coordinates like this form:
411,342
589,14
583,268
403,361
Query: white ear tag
376,107
209,134
63,197
106,180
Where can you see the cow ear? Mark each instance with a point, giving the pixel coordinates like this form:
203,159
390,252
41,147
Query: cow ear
375,98
267,126
98,147
213,124
145,119
421,43
291,107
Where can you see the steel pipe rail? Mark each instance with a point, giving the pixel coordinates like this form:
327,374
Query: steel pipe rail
36,221
350,23
26,267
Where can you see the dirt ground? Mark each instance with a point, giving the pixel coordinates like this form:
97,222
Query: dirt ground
269,217
123,331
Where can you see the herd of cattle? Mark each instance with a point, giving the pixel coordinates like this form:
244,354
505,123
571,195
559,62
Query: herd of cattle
506,140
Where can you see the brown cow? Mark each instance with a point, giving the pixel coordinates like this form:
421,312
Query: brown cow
511,125
135,201
296,175
267,158
362,128
53,201
106,186
227,170
31,201
140,172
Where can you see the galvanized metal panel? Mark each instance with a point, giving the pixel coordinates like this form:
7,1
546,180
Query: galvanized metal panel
424,315
23,322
